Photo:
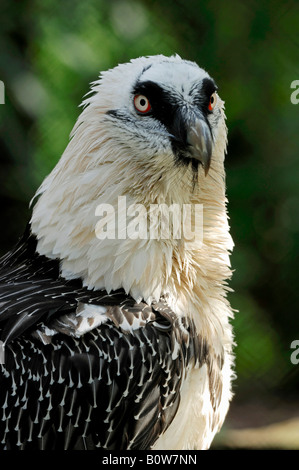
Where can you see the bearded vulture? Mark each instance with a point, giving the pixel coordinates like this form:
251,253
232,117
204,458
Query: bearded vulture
123,342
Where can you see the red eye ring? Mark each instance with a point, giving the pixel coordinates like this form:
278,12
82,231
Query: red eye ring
142,104
213,101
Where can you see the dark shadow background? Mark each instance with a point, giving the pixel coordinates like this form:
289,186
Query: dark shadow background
49,53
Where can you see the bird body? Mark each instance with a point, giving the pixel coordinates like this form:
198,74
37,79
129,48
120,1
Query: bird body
123,342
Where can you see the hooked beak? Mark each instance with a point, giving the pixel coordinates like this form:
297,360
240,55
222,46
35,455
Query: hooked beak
199,139
192,138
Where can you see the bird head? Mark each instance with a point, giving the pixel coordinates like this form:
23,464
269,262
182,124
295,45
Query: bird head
170,108
163,118
153,130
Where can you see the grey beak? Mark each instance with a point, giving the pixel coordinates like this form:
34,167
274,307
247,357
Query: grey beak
199,139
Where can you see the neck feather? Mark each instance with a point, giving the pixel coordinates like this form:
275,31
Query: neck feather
192,275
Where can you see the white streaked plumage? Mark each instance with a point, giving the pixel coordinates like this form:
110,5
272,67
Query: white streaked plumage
115,152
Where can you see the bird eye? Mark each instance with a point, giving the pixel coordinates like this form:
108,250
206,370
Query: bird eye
142,104
213,101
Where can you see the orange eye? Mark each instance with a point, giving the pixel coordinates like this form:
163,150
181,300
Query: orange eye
142,104
213,101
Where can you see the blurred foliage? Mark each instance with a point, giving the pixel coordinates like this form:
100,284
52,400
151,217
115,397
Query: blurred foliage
49,53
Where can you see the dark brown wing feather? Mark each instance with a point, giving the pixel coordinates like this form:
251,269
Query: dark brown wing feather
110,388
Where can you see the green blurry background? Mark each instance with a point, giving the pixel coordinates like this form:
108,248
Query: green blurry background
49,53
